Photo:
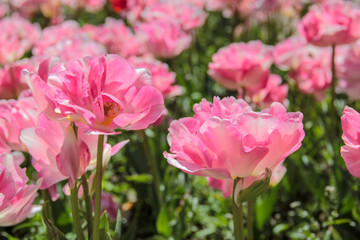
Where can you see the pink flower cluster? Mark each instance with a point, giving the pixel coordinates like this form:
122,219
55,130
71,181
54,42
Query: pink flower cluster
116,37
309,66
11,81
16,197
162,78
68,42
348,70
164,39
331,23
246,67
164,25
100,94
160,28
16,115
58,154
17,37
260,9
186,14
241,65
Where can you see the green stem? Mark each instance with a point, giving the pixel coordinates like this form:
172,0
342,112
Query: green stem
154,169
89,217
46,205
47,210
333,96
237,215
249,220
236,22
75,213
98,183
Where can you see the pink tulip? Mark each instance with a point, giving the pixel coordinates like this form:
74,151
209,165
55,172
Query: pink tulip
117,38
198,3
74,157
16,115
4,9
53,34
348,70
26,8
241,65
289,53
226,139
313,74
331,23
187,15
134,8
162,78
17,37
68,42
58,155
273,91
15,196
11,80
99,93
350,122
228,7
261,9
164,39
73,49
308,65
226,186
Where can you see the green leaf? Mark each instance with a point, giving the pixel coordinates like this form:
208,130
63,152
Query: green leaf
335,234
8,236
52,229
337,222
162,222
139,178
264,207
104,227
356,214
117,233
255,190
202,234
281,228
104,222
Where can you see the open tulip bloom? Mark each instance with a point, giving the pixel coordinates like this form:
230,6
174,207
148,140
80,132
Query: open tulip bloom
100,94
232,141
227,140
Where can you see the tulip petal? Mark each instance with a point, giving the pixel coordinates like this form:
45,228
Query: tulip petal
74,157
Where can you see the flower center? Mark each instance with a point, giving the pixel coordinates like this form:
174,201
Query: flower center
111,110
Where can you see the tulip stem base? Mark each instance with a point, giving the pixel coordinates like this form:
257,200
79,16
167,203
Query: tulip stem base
249,220
47,210
238,217
333,114
75,213
154,169
98,186
88,204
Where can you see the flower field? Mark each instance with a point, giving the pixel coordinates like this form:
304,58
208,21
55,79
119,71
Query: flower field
179,119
